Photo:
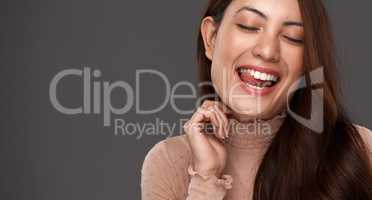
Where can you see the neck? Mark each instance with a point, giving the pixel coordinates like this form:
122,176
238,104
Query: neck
254,132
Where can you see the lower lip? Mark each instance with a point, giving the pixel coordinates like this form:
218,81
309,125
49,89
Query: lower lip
254,91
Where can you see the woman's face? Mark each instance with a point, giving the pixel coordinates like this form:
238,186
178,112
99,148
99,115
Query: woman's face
257,54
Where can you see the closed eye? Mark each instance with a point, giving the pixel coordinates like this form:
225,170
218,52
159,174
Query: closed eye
249,28
256,29
297,41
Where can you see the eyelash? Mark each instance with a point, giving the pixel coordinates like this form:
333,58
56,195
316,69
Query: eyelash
293,40
255,29
249,28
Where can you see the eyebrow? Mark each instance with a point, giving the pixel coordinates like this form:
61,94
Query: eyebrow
290,23
254,10
261,14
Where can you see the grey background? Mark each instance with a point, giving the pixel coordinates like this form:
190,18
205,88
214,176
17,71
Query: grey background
48,155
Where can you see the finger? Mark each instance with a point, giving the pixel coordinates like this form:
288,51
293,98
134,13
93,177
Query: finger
225,109
196,125
200,116
225,122
220,127
223,112
195,135
213,118
209,115
193,127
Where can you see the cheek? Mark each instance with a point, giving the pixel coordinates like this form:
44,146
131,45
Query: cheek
226,50
293,57
231,44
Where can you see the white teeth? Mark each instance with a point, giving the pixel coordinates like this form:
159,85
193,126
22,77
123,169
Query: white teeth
259,75
255,87
263,76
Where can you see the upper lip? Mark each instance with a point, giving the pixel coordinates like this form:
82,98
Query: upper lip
263,69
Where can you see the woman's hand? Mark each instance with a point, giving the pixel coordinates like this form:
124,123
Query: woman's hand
209,152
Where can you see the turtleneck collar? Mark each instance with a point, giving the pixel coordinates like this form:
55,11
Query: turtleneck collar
255,134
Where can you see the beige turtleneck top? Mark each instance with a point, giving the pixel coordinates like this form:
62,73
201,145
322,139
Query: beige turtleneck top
167,174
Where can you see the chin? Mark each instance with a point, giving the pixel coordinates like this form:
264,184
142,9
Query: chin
254,106
250,108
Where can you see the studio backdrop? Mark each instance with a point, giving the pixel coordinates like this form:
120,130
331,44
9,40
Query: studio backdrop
87,87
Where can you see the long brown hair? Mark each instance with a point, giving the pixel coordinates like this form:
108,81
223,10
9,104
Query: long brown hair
299,163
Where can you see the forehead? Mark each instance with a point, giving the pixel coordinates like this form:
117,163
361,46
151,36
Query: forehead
274,9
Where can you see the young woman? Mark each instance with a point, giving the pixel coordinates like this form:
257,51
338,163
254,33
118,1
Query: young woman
254,51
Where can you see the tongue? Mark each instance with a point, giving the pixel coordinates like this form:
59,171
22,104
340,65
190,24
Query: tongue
249,79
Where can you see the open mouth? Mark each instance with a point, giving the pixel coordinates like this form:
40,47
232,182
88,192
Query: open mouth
258,78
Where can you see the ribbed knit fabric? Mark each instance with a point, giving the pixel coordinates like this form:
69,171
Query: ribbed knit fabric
166,173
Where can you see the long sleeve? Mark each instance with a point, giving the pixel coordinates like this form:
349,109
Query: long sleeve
160,171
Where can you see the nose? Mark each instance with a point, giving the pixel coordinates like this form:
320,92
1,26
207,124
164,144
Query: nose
267,48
